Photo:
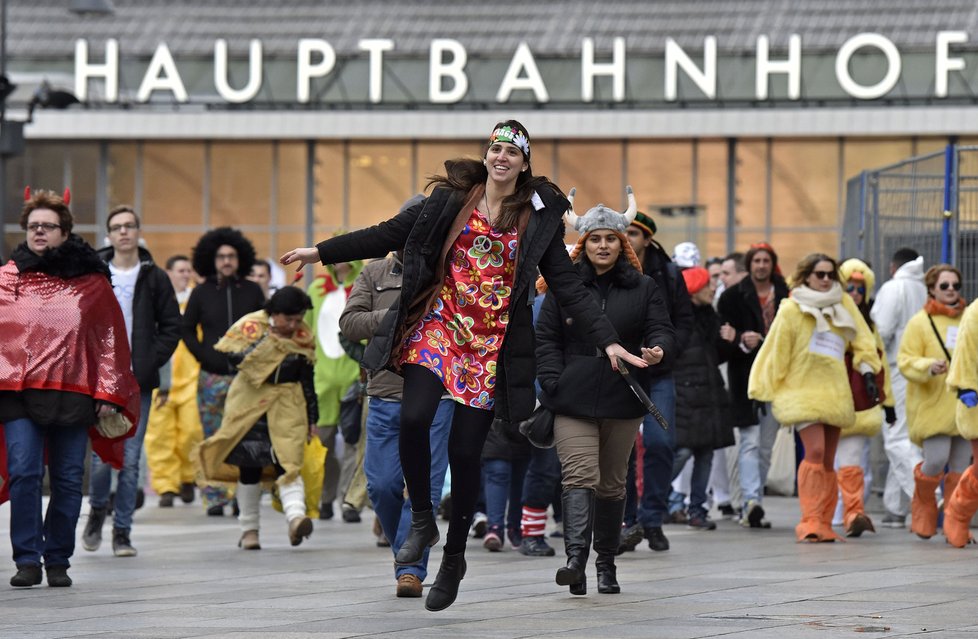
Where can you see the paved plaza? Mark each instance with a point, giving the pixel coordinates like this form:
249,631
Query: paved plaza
190,580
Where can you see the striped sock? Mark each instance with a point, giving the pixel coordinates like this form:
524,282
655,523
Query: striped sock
534,522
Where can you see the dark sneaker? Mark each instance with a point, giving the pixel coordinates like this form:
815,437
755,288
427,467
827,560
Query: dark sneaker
727,511
187,492
631,537
325,512
480,523
350,514
217,510
515,537
678,517
892,520
121,546
27,576
536,547
701,522
140,498
493,541
58,576
166,499
92,536
657,539
753,516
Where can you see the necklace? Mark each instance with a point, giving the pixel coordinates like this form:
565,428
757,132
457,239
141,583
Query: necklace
485,197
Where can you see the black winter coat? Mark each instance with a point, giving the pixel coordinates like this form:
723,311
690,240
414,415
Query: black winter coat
702,402
740,307
423,231
215,306
576,378
657,265
156,320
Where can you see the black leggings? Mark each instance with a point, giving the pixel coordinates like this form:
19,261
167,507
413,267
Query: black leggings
470,426
248,475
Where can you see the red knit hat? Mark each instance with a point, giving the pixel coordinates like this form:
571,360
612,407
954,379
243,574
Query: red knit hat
696,278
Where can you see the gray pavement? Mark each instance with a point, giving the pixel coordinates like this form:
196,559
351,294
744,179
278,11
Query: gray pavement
190,580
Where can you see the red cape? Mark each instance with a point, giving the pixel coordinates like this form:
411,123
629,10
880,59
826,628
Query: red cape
69,335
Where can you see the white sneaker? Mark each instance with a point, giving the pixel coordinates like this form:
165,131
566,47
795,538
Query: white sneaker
479,524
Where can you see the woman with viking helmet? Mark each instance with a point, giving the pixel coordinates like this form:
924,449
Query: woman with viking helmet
65,366
463,324
596,414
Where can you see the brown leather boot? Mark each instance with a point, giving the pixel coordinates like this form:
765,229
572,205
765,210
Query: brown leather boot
923,507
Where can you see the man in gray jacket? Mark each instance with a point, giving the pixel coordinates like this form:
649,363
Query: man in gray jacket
376,288
897,301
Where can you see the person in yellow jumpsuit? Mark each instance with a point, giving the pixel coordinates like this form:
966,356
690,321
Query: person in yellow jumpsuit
962,378
174,421
801,370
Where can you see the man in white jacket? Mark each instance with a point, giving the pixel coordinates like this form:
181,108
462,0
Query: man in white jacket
897,301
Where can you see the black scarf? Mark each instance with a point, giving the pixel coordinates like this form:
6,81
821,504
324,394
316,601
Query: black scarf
72,258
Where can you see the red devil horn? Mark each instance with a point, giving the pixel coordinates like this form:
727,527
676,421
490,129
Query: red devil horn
27,193
67,196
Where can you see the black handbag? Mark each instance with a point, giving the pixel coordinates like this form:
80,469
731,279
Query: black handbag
539,427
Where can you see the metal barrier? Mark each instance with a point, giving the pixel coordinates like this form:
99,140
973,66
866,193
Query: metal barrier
928,203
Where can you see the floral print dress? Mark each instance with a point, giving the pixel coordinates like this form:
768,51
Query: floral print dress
460,337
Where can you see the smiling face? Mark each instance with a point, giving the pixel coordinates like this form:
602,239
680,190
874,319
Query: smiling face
44,231
761,266
505,161
947,290
603,248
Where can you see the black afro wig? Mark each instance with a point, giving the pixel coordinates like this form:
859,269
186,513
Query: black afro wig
206,249
289,300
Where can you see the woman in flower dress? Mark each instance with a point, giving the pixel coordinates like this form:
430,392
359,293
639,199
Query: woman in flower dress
463,323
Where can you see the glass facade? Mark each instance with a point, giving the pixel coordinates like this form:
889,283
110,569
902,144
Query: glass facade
787,191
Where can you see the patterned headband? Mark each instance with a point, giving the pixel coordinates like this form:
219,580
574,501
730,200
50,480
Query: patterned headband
512,135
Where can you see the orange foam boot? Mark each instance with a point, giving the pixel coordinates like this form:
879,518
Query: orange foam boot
810,498
852,486
830,496
923,507
961,507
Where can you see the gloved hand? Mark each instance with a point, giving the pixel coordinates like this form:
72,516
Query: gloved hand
871,390
759,409
968,397
890,414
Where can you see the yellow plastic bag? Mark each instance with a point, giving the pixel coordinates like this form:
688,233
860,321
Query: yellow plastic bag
313,473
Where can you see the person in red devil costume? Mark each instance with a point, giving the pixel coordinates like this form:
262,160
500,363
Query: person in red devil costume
65,376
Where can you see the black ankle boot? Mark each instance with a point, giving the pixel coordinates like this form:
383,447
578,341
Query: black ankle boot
423,534
578,506
608,515
27,575
445,589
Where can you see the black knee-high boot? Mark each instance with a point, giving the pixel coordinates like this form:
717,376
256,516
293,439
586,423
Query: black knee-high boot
578,510
445,589
423,533
608,515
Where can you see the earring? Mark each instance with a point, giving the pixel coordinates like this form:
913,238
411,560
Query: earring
483,160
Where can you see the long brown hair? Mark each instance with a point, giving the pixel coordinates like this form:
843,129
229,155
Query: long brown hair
463,174
807,265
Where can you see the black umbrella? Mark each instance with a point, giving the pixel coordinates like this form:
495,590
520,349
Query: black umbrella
642,395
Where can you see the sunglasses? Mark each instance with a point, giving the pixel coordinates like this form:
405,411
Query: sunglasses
859,289
946,285
824,274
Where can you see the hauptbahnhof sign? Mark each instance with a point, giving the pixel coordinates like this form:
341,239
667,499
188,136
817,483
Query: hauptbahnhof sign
866,67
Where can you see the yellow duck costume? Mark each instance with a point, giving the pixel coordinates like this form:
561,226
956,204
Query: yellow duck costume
802,372
255,392
868,422
963,376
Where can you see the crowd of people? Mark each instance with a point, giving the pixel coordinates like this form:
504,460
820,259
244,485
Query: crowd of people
613,384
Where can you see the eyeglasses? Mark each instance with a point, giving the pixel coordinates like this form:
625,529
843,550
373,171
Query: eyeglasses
129,226
859,289
47,227
226,256
946,285
824,274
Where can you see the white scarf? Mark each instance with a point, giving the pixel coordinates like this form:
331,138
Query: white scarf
826,308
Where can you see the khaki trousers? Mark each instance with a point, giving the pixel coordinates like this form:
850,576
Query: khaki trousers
594,453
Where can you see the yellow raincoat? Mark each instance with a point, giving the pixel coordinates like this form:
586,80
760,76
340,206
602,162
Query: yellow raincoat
801,372
930,405
250,397
963,373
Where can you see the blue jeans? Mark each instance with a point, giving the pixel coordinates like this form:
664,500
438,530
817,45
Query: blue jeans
659,454
503,480
754,455
542,477
700,480
100,482
52,537
385,479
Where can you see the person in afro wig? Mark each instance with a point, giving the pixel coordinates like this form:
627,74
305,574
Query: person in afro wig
224,257
207,249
